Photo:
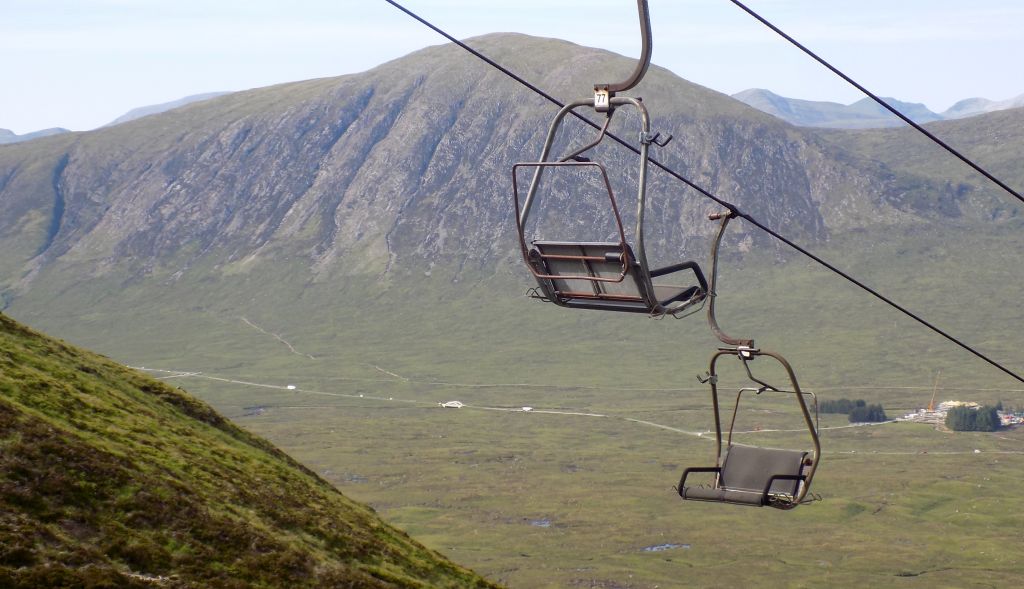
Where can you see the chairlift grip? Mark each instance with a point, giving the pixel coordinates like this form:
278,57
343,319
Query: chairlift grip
654,138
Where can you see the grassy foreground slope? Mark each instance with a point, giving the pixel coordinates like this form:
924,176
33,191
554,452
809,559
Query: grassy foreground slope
111,479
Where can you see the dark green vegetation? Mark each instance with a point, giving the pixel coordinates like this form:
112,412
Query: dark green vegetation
973,419
844,406
481,485
111,479
868,414
858,411
352,237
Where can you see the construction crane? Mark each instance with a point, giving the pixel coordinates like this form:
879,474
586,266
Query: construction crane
935,389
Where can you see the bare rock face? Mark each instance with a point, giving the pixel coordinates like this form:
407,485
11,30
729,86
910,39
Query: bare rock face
409,164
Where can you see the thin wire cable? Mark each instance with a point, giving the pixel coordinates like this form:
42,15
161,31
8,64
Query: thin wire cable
753,221
881,102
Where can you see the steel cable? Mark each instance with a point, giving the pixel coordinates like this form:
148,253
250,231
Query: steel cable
881,102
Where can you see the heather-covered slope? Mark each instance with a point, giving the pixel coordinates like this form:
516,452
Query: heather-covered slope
109,478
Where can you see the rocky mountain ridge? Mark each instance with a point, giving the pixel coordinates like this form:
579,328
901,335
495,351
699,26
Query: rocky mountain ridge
409,165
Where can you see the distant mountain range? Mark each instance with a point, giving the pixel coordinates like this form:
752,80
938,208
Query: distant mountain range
8,136
145,111
970,107
865,113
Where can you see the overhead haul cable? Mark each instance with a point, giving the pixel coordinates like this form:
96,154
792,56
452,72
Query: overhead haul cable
733,208
881,102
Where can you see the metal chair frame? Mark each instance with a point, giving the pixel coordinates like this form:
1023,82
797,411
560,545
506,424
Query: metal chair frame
632,261
744,350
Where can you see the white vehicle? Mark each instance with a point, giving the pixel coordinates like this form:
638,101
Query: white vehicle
527,408
452,405
290,387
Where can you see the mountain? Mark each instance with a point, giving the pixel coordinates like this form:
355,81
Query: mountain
975,106
145,111
318,193
404,166
111,478
863,114
992,139
8,136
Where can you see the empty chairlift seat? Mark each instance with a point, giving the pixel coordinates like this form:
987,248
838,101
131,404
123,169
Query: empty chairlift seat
751,476
607,276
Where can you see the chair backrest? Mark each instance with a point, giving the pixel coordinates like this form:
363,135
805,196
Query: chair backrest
749,469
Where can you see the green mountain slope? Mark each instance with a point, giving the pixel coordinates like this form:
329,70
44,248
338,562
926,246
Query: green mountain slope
111,479
993,140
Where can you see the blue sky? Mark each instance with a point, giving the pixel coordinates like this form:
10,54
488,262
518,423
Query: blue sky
81,63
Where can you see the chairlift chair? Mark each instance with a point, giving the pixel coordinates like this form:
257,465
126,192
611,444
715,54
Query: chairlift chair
604,275
750,475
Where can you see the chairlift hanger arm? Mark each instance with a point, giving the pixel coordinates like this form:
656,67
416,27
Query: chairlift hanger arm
712,292
601,134
645,55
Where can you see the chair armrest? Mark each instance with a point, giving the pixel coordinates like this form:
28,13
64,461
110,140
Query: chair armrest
691,265
781,477
686,473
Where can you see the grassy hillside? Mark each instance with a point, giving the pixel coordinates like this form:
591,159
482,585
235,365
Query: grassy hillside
534,499
111,479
